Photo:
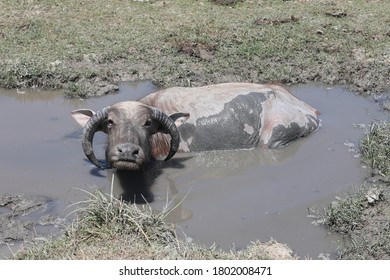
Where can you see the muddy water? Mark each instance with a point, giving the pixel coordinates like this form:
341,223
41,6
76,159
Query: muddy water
226,198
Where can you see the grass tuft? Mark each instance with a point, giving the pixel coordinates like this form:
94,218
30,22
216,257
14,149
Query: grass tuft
375,148
109,216
345,215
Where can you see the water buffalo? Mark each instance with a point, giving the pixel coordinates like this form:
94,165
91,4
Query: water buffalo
215,117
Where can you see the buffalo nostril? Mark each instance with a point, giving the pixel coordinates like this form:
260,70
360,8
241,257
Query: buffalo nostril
122,149
135,153
129,152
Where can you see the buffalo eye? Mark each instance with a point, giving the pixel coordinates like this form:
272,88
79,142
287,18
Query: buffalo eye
148,123
110,123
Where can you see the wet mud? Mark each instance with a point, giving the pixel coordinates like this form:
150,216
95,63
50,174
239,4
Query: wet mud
26,219
224,197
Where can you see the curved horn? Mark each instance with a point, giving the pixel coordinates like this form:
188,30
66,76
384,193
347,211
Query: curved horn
169,125
88,133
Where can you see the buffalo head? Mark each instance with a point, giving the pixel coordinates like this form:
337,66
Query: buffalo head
129,126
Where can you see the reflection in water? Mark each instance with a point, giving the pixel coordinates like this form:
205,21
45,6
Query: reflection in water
240,159
135,186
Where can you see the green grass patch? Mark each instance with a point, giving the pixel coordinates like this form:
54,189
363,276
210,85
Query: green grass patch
375,148
50,43
345,215
363,220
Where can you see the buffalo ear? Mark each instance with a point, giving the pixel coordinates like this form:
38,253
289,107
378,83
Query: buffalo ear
82,116
179,118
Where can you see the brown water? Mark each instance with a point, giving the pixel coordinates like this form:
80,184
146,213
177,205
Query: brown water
227,197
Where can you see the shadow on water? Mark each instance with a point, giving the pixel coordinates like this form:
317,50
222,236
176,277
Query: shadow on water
221,197
136,187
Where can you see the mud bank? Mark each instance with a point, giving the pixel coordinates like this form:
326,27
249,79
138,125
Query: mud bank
25,219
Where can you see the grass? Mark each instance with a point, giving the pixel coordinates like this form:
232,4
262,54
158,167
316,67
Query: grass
363,216
345,215
363,222
108,228
375,147
74,46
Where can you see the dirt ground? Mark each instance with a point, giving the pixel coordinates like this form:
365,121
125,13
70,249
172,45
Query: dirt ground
21,215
